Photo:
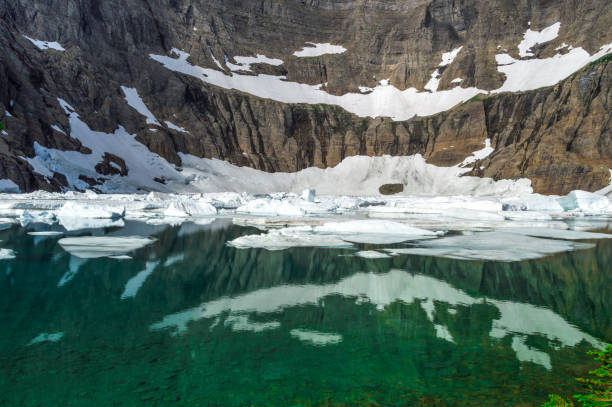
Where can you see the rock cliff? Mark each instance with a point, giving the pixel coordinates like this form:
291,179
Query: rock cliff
558,136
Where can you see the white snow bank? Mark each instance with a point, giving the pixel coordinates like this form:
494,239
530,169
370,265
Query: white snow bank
479,154
135,101
358,175
93,247
532,38
316,50
244,63
449,57
143,165
175,127
607,191
44,45
384,100
530,74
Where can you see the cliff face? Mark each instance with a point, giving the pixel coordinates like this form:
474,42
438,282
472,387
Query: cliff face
557,136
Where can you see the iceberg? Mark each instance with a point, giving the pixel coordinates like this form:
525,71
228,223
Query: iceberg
93,247
585,202
493,246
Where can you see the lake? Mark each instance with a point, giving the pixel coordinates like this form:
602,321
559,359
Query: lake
187,320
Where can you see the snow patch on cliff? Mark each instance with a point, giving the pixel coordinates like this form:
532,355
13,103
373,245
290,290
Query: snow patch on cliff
45,45
316,50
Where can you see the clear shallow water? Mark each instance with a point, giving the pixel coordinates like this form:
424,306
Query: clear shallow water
191,321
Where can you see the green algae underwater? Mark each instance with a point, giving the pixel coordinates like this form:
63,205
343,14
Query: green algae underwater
211,325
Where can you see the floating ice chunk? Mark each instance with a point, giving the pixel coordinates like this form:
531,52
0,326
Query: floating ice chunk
282,239
495,246
585,202
45,337
315,337
7,254
73,209
533,202
46,233
309,194
270,207
8,186
526,216
28,217
133,285
44,45
73,224
370,227
532,38
121,257
175,210
92,247
135,101
372,254
564,234
242,323
199,208
316,50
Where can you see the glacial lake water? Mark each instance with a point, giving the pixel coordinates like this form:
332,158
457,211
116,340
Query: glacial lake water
191,321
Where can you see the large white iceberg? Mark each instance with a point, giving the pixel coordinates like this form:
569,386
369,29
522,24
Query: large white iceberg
92,247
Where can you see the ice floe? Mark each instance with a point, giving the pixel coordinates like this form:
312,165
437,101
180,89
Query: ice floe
372,254
334,234
92,247
585,202
286,238
495,246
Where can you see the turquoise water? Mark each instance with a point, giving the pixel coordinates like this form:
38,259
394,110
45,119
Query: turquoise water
205,324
